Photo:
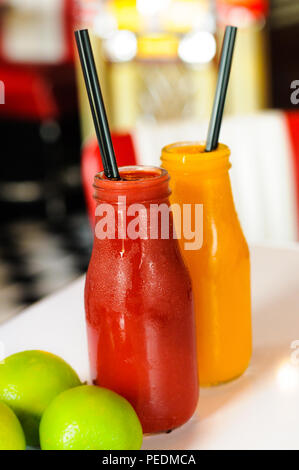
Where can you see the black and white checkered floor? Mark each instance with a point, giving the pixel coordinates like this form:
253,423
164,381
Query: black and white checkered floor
37,259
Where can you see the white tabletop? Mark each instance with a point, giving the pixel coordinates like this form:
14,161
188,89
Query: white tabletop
257,411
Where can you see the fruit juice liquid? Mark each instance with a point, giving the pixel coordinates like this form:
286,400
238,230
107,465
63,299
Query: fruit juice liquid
139,305
220,269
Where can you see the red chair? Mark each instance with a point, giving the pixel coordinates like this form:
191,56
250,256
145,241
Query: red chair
37,90
92,164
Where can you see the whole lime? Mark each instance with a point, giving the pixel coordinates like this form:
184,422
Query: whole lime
29,381
11,432
90,418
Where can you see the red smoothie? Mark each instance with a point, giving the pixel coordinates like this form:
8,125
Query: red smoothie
139,306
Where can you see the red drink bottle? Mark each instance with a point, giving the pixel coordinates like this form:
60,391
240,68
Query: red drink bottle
139,303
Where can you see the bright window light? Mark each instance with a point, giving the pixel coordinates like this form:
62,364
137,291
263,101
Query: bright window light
104,25
121,46
197,48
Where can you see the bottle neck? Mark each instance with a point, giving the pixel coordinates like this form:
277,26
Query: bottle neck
135,208
198,176
190,158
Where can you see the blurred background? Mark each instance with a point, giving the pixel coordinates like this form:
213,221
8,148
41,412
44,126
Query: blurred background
157,61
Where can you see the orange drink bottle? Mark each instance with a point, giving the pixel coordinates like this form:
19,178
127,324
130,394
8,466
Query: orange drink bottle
220,268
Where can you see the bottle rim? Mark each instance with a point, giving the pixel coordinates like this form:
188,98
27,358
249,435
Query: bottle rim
141,188
161,173
195,157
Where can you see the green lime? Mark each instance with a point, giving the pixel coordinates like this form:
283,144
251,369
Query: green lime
11,432
29,381
90,418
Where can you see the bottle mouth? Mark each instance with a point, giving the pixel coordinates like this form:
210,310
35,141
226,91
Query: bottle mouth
133,174
138,183
193,154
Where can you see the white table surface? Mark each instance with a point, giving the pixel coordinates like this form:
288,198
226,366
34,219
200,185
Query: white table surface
260,410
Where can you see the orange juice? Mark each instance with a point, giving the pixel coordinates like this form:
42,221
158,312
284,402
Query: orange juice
220,269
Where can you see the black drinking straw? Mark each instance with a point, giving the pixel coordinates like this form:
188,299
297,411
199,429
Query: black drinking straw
221,90
96,104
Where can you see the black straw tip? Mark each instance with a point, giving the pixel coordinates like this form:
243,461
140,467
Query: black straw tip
96,104
221,90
